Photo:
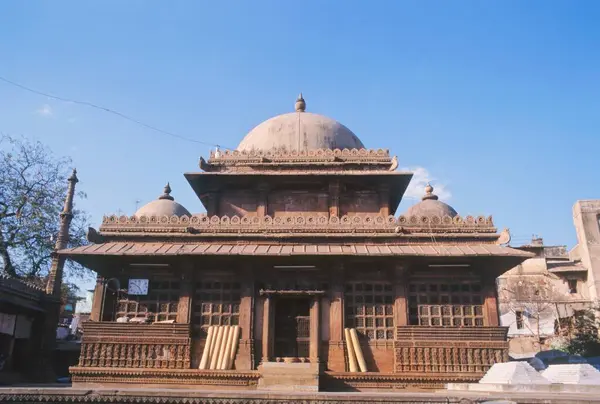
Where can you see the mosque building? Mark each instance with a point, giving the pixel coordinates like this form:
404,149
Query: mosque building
301,274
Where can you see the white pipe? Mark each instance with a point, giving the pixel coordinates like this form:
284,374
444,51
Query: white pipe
359,354
351,358
213,342
206,353
235,342
229,334
215,351
222,347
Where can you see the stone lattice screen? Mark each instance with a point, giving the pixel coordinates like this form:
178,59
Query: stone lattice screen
159,304
215,303
448,303
369,307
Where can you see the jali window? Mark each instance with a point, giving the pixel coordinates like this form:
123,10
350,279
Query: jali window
159,304
216,303
445,303
369,307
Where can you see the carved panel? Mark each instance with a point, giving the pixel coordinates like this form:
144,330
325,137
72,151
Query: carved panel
127,345
448,350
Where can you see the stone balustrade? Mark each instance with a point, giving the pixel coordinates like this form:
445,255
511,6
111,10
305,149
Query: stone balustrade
130,345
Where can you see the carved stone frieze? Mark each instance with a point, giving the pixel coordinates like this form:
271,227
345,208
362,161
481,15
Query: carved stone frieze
164,376
315,223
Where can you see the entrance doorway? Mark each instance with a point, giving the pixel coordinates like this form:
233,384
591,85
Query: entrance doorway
292,327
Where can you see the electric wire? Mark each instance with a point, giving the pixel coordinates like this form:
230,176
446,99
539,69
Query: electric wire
109,110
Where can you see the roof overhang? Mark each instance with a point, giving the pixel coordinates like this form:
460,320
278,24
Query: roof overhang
97,256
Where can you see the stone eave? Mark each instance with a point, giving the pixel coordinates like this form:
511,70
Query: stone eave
281,249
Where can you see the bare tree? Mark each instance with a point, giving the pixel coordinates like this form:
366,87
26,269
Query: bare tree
32,191
534,299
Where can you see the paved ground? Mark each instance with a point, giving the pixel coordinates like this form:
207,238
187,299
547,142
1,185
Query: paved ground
65,394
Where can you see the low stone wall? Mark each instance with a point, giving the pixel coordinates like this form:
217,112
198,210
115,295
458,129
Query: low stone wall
164,396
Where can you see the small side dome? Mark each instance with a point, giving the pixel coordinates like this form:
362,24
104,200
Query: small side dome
430,206
165,205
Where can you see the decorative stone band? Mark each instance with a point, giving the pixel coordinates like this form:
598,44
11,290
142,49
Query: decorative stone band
189,377
318,154
301,223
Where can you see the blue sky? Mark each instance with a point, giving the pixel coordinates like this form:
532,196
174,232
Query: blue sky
496,102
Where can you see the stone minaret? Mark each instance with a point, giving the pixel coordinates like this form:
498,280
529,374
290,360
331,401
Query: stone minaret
53,287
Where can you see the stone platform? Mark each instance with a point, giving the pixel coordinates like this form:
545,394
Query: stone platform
27,395
281,376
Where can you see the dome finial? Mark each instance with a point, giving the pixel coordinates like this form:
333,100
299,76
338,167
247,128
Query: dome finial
429,193
300,104
167,193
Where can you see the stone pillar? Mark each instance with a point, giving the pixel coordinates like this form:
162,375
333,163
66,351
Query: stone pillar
186,294
267,329
98,297
400,293
244,356
334,198
54,284
384,200
335,356
315,329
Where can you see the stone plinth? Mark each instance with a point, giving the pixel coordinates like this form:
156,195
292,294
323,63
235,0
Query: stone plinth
513,373
281,376
580,373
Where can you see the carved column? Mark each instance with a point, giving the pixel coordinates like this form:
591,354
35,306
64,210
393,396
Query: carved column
384,200
185,294
335,356
262,205
400,289
334,198
267,333
315,329
336,316
98,297
244,356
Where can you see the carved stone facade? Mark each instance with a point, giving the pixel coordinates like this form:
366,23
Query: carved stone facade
295,246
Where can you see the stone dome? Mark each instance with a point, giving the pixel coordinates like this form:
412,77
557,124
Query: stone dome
165,205
300,131
431,206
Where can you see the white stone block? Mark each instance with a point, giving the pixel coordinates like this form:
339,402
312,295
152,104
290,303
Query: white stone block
580,373
513,373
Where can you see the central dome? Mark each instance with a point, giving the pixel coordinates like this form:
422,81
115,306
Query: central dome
300,131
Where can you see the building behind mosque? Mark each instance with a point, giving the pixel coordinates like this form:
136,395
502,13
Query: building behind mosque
301,274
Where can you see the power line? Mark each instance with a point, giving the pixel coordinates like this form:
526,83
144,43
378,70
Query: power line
110,111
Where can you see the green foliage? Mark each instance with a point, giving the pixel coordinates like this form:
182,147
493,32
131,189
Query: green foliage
32,190
585,341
